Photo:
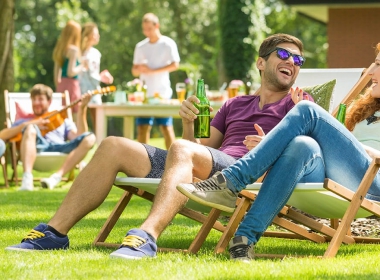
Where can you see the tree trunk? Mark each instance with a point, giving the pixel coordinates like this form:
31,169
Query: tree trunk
6,51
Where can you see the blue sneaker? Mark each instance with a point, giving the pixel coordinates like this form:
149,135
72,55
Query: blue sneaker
41,239
137,244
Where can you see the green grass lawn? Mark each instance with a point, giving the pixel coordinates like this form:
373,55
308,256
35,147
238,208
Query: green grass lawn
21,211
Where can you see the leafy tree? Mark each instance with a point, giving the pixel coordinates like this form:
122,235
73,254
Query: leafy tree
282,19
191,23
218,39
38,25
236,50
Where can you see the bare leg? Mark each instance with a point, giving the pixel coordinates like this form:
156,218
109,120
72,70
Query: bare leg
94,182
143,133
169,135
185,159
77,155
28,149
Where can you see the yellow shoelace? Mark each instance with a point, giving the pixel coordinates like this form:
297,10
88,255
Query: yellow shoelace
33,234
133,241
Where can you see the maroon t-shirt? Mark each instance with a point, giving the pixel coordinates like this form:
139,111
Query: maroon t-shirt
235,120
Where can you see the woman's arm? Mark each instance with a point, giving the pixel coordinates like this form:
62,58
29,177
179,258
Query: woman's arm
373,153
57,74
73,69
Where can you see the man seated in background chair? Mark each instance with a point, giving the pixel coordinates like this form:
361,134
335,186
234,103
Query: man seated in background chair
237,127
74,140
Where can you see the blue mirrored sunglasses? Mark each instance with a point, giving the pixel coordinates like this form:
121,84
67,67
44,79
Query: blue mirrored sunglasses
284,54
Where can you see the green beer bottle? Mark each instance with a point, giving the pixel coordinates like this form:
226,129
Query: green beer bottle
202,122
341,116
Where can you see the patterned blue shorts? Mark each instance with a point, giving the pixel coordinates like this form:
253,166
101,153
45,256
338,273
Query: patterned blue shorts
157,157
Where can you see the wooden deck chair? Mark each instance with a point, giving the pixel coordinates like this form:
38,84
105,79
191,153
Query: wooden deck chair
332,204
325,200
146,188
18,104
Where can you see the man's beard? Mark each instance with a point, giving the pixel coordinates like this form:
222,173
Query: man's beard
274,81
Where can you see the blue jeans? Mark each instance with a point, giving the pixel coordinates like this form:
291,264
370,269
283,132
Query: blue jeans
2,147
306,146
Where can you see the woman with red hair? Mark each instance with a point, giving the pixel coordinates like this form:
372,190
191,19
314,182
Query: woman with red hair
363,115
67,65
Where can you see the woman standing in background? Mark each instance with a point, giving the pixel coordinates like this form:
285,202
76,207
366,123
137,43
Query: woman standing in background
90,78
67,63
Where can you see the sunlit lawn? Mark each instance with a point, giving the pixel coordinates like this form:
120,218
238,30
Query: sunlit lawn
21,211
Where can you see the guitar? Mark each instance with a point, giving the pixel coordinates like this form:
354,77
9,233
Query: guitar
57,117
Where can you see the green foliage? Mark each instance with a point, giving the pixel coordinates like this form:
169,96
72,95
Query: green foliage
236,45
191,23
244,24
221,38
282,19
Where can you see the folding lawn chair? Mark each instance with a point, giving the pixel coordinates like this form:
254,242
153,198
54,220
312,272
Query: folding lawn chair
325,200
146,188
17,105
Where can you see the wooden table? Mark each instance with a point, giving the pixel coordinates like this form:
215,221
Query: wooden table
129,111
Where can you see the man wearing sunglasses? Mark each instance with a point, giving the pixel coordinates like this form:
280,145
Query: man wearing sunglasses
238,127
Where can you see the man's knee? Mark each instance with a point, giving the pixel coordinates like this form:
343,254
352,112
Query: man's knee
30,130
182,147
302,143
111,143
115,146
306,106
89,141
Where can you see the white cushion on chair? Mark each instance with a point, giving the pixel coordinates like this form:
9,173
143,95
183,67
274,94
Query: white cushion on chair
314,199
49,161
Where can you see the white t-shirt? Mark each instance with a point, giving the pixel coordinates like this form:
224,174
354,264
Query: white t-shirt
156,55
90,79
368,131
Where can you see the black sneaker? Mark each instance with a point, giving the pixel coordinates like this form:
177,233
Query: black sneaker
137,244
40,238
240,250
212,192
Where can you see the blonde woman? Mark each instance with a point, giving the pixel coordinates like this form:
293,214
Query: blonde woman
90,79
67,63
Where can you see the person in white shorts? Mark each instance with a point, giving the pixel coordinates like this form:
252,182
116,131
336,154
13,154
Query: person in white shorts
90,78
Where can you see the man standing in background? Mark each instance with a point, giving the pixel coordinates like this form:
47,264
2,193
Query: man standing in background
154,58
